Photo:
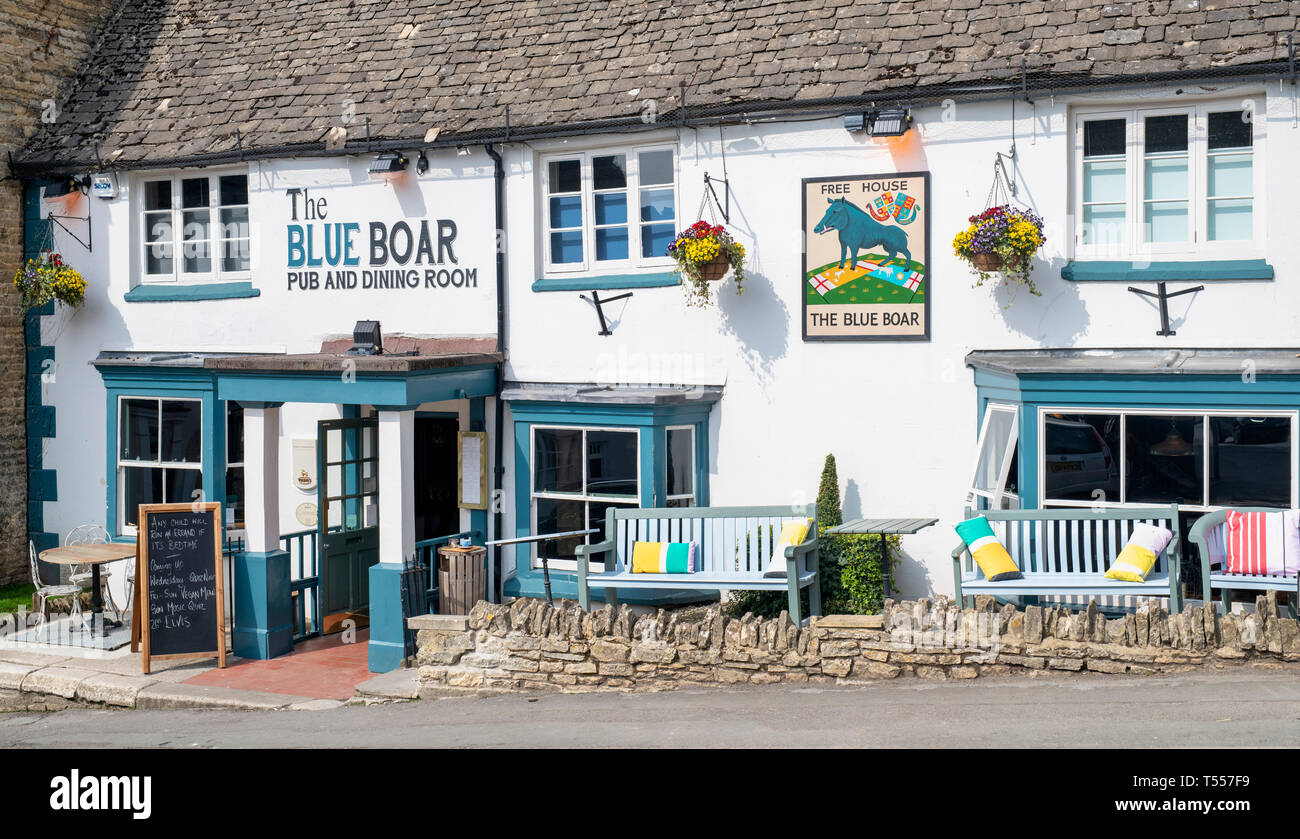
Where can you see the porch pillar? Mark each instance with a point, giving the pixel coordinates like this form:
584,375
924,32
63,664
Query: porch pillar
263,622
396,538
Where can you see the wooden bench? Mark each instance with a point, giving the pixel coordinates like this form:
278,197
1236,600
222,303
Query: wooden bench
1067,551
1207,534
736,544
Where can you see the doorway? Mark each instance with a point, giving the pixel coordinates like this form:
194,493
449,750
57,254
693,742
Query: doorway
348,501
435,468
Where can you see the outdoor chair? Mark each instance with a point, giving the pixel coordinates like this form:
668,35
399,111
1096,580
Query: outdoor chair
93,534
44,592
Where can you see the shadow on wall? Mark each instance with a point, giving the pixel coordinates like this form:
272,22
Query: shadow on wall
758,320
911,575
1057,318
851,504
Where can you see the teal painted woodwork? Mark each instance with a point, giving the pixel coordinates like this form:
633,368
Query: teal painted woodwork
386,389
1118,271
263,622
613,281
387,646
37,236
564,586
173,293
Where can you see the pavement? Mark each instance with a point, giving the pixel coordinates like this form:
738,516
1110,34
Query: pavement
1243,707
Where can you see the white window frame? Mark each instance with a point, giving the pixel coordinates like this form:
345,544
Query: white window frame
140,228
1198,246
997,497
122,464
589,264
668,453
584,497
1124,414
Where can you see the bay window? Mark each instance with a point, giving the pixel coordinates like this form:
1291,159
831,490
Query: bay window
159,453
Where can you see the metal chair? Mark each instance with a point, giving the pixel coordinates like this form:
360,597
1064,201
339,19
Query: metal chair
44,592
92,534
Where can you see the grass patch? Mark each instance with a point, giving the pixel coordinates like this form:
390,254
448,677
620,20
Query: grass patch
16,596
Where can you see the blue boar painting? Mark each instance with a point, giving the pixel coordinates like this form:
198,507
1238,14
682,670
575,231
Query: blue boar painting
860,232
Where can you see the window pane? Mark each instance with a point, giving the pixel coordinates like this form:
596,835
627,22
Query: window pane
611,243
564,176
1103,137
657,205
1103,224
234,432
194,192
611,463
180,485
234,223
994,451
234,189
158,195
1166,178
566,247
182,432
1167,222
655,239
1250,461
139,486
681,461
158,239
566,212
555,515
139,435
609,172
194,242
1166,134
1229,130
1231,175
1231,220
234,499
1081,460
611,208
1164,459
558,456
1103,180
596,512
656,167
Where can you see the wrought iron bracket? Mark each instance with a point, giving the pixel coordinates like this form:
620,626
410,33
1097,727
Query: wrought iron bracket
724,206
599,303
1162,294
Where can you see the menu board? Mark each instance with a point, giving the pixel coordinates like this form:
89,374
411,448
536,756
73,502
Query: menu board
181,608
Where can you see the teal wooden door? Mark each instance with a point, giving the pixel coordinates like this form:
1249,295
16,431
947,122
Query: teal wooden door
348,501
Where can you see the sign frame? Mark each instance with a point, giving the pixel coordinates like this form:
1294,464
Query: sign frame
803,257
141,599
461,437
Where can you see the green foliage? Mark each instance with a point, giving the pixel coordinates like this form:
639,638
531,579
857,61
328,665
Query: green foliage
15,596
850,565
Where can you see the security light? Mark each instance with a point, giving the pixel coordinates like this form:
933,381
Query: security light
855,122
890,122
421,163
389,165
65,189
367,339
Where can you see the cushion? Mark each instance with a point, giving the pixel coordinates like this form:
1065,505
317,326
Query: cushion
987,551
665,557
1138,557
792,533
1262,543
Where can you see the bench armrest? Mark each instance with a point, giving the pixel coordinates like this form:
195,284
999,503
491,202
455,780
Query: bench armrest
792,551
958,551
595,548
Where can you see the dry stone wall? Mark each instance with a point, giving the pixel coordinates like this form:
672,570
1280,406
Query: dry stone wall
531,645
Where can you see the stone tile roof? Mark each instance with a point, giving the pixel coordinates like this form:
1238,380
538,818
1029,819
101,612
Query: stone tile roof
177,78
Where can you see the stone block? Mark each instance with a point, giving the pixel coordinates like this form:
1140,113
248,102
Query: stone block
609,651
837,666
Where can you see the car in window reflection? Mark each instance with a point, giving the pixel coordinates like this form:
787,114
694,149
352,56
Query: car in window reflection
1078,461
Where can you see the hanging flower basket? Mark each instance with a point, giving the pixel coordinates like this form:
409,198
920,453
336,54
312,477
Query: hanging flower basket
47,277
1002,239
704,253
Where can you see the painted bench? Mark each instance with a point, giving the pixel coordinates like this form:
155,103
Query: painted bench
736,544
1067,551
1207,534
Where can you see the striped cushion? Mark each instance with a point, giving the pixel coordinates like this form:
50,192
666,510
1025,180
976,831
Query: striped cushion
1261,543
665,558
1139,555
987,551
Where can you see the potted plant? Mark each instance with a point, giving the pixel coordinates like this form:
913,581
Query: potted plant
1001,239
47,277
704,253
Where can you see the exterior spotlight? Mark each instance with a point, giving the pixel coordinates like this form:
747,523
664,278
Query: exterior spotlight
462,151
887,122
421,163
388,166
65,191
367,338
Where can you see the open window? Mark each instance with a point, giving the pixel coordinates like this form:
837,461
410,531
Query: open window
993,485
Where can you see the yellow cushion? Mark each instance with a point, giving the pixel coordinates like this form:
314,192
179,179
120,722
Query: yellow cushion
645,558
1132,565
988,553
792,533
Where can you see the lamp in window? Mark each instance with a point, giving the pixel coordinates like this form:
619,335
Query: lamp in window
1173,445
389,166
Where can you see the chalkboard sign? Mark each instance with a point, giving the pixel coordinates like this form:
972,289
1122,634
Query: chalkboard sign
181,609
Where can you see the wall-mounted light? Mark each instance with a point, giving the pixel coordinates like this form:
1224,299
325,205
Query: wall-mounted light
421,163
367,339
65,191
884,122
462,151
388,166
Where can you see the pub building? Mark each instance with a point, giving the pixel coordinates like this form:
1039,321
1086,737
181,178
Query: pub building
349,272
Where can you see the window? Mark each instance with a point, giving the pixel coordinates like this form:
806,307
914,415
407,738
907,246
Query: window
578,474
680,480
195,228
160,453
234,465
995,454
605,211
1168,181
1200,460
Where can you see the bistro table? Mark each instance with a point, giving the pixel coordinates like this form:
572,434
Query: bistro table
884,527
93,555
542,537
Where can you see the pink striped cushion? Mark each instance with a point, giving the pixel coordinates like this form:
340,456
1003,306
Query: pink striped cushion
1258,543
